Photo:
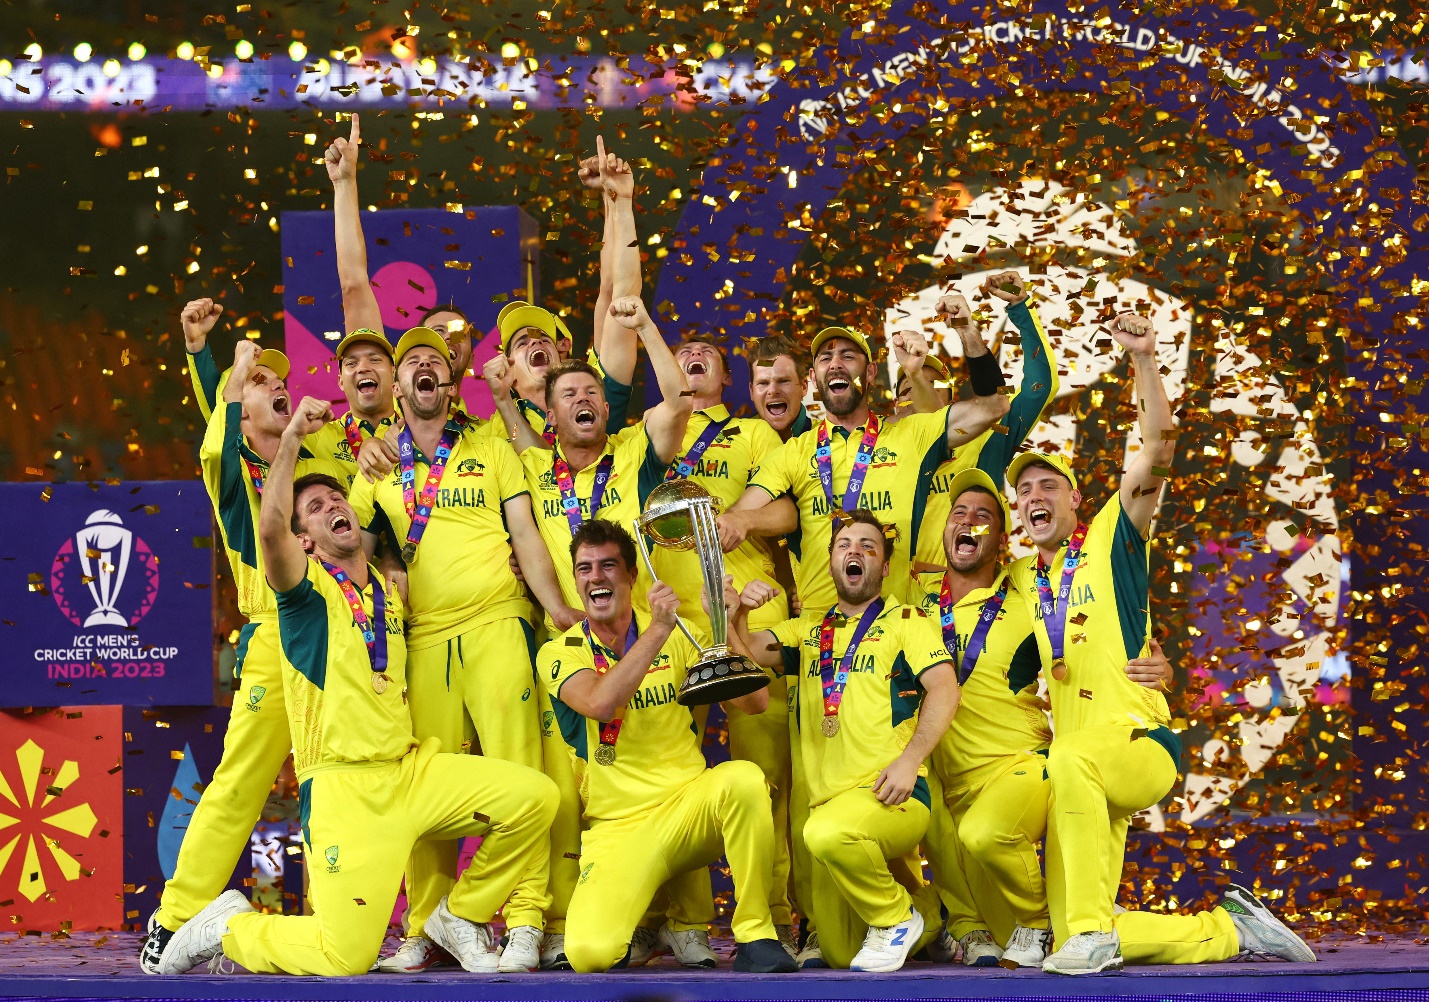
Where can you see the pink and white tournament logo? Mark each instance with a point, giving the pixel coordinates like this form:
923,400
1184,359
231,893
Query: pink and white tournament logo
104,574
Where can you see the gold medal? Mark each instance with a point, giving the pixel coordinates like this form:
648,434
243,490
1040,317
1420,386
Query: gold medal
605,754
409,552
380,681
1059,669
830,726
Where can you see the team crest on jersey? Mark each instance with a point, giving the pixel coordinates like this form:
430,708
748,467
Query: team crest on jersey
874,633
330,854
470,468
883,456
585,872
548,723
344,452
255,695
548,481
662,660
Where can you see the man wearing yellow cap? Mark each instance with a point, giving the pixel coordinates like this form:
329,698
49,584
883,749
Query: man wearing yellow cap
242,438
455,507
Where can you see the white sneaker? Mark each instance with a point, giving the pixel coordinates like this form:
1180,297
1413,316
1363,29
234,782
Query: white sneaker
886,948
416,954
1027,947
943,949
201,937
473,944
553,952
220,964
811,957
786,939
1259,932
1086,953
645,946
156,941
691,947
980,949
522,951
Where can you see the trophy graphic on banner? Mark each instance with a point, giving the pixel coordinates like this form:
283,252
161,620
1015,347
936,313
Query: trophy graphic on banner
680,515
104,546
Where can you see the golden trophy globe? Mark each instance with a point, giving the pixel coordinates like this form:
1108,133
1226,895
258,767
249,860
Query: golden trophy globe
680,515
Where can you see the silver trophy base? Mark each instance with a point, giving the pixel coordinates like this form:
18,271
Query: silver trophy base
720,674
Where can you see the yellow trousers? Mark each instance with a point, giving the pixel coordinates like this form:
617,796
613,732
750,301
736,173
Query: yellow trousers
1099,778
254,748
866,870
763,738
479,692
360,823
800,862
625,862
985,866
1151,938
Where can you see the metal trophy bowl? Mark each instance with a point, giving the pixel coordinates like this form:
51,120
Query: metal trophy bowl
680,515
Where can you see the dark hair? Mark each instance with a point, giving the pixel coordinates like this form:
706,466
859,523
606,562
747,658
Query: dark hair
444,308
708,339
303,483
862,515
599,532
767,349
570,365
996,505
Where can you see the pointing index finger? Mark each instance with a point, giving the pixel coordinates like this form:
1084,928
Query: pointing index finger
355,137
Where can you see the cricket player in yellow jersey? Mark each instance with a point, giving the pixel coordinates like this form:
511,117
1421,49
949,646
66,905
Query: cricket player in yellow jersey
1114,753
989,767
455,507
590,473
367,792
871,692
854,459
655,810
243,435
778,374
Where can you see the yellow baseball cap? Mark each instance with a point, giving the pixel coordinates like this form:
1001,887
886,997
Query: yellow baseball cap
419,337
829,333
364,335
561,328
512,322
931,361
1026,459
977,478
275,360
515,304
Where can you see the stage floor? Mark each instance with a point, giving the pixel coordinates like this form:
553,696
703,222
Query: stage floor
89,966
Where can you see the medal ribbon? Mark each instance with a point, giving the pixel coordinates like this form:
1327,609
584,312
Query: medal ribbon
524,406
561,470
419,509
609,732
353,431
1054,611
834,683
823,454
966,658
255,474
681,469
374,637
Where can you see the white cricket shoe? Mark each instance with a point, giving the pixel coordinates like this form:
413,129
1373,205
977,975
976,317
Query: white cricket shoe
416,954
691,947
885,949
156,941
1086,953
472,944
200,939
980,949
553,952
522,951
811,957
1027,947
1261,934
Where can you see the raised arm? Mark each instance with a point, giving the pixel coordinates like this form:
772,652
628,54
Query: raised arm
1039,386
601,697
198,318
615,346
940,684
359,302
535,561
739,606
910,349
1141,483
500,377
756,514
283,558
665,422
970,417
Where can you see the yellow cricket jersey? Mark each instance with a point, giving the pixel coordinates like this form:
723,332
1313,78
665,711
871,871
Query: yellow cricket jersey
905,458
999,713
879,711
634,473
724,471
1107,624
331,439
461,577
224,457
658,749
335,715
993,450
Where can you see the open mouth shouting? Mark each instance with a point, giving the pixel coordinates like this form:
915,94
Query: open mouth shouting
340,525
1039,517
585,418
696,368
282,406
777,408
599,598
426,381
839,383
965,544
538,358
367,384
854,569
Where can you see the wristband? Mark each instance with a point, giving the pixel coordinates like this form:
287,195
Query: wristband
985,374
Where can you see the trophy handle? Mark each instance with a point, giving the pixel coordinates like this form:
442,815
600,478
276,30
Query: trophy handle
650,565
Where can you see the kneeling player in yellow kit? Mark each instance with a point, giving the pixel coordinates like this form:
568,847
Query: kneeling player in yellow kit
655,809
366,791
871,692
1114,753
